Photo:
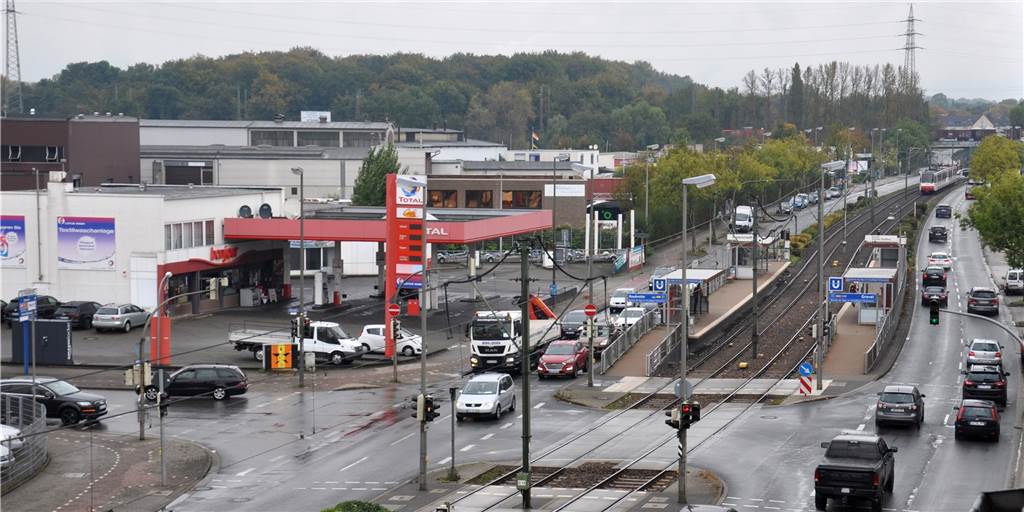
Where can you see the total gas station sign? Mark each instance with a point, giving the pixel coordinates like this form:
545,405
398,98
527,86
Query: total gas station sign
405,254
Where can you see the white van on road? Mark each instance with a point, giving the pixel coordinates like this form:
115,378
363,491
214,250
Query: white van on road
743,219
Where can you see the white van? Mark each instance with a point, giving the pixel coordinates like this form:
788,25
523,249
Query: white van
743,219
1014,282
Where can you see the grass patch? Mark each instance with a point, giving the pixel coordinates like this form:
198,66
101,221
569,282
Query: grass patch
490,475
624,401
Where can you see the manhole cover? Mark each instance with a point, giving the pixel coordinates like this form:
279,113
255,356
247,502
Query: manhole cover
769,417
240,500
74,475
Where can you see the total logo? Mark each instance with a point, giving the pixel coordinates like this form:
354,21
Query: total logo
410,190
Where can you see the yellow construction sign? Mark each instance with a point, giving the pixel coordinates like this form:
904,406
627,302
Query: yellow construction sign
281,356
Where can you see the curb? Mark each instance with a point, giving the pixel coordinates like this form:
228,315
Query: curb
212,469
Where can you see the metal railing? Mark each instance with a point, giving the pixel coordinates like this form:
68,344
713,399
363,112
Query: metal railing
625,341
26,453
658,354
889,323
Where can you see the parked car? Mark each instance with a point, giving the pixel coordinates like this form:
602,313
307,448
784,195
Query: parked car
976,418
452,256
563,358
857,465
61,399
1013,282
786,206
406,343
620,299
604,257
933,276
938,234
46,306
486,394
659,272
982,299
812,198
742,219
78,313
900,404
834,193
123,317
940,259
629,316
982,351
494,256
937,293
10,437
800,201
985,382
969,193
6,458
604,334
943,211
219,381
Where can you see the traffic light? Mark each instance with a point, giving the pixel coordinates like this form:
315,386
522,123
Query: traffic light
163,407
673,418
396,327
420,407
429,409
689,413
295,327
933,312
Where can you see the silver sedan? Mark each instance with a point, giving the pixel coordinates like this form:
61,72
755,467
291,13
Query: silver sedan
121,317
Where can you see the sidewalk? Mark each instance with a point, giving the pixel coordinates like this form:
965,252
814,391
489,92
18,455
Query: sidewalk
732,297
97,470
634,361
845,358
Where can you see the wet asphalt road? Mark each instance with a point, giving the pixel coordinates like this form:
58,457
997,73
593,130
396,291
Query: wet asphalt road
934,473
365,442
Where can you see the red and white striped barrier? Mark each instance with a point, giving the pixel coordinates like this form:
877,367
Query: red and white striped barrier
806,385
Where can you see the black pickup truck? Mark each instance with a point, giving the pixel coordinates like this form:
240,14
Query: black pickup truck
857,466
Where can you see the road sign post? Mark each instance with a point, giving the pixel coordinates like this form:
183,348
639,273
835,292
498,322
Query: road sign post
869,298
835,284
806,378
657,298
591,312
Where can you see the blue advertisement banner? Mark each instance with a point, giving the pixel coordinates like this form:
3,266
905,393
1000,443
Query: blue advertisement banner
86,243
12,241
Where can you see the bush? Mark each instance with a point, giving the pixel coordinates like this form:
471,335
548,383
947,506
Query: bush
356,506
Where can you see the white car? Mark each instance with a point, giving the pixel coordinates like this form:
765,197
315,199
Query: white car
982,351
629,316
833,193
940,259
406,343
6,457
10,437
487,394
620,299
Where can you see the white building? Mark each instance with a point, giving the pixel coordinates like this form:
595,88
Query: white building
416,155
328,172
179,132
112,243
590,158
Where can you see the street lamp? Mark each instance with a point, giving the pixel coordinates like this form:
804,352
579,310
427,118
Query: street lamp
647,186
302,271
702,181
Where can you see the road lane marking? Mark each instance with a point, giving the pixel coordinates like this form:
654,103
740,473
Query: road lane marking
860,427
467,448
945,420
444,461
353,464
275,459
403,438
488,436
507,425
538,406
246,472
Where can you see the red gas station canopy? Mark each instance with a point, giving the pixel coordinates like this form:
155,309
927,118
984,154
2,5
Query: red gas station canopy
373,230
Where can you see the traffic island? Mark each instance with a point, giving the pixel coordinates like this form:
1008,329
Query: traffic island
95,470
703,487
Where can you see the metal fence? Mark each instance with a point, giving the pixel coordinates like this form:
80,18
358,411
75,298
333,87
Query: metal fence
625,341
658,354
889,323
26,453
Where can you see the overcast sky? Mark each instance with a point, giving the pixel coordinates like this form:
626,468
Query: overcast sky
970,49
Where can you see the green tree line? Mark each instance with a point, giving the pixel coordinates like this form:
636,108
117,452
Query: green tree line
998,209
570,99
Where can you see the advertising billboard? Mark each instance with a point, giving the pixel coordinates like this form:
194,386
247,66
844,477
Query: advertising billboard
12,241
86,243
405,255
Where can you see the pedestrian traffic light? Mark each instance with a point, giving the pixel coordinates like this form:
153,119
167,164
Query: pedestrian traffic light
689,413
673,418
933,312
429,409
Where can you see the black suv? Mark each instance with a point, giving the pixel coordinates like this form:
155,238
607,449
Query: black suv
217,380
976,418
933,276
572,323
78,312
985,382
943,211
46,306
62,399
938,234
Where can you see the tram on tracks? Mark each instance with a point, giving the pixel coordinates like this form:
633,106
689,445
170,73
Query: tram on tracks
935,179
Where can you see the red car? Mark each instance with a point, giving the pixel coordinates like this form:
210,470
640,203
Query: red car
563,358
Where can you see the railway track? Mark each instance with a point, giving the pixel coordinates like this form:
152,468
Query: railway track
797,298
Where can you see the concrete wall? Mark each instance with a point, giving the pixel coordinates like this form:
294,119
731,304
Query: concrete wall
324,178
181,136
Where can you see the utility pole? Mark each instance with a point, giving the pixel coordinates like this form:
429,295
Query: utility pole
754,245
590,320
302,271
453,475
524,350
846,191
423,344
820,366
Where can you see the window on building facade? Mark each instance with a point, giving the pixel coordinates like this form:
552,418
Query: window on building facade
272,138
12,153
320,138
479,199
361,139
521,199
444,199
184,235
